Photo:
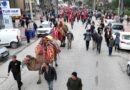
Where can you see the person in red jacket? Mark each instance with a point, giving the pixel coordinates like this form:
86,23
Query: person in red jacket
78,15
55,33
71,20
84,16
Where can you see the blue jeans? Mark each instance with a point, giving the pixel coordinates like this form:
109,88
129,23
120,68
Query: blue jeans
50,85
110,51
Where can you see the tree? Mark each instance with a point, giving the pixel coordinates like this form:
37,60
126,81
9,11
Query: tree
115,3
80,3
127,3
41,4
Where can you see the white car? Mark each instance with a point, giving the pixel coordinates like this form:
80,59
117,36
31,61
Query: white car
4,53
128,68
45,28
10,37
124,40
116,27
108,21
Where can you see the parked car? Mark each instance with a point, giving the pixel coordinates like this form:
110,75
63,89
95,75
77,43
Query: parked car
124,40
4,53
107,22
45,28
116,27
10,37
128,68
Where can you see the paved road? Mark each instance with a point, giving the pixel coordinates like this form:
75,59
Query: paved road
98,72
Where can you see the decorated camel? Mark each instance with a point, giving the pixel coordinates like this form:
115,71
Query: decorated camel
46,51
61,29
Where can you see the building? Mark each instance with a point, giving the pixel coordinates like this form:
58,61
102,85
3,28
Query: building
23,5
17,4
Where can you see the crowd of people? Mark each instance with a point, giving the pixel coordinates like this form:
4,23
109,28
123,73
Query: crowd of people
92,33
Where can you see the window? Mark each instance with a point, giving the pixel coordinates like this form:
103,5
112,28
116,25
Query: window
46,25
118,27
126,37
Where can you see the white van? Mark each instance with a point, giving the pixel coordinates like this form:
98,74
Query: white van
10,37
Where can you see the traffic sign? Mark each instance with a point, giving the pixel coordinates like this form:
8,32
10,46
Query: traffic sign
4,4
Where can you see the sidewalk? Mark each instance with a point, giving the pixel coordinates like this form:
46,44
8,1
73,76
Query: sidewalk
127,28
24,41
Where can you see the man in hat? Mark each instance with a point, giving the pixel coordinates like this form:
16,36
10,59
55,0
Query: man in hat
74,83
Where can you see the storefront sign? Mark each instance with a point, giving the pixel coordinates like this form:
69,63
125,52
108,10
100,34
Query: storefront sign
12,12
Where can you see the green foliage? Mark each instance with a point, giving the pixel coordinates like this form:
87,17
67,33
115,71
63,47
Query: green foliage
80,3
127,12
115,3
127,3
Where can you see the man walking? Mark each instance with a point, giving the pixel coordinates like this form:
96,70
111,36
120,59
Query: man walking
49,74
14,66
70,37
99,42
27,34
87,37
94,38
74,83
111,44
117,41
31,29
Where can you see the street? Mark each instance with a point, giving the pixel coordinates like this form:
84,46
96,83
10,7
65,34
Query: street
97,71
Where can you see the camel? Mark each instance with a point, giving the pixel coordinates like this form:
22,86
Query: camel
33,65
63,29
42,56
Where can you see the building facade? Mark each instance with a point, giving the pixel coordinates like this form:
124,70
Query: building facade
23,5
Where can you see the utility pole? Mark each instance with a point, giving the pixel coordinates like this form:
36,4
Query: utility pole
122,6
83,3
94,4
57,8
31,12
119,7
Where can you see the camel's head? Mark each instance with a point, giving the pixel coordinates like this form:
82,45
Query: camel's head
28,59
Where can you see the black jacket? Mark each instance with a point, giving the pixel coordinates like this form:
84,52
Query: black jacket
70,36
99,40
87,36
14,66
51,74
